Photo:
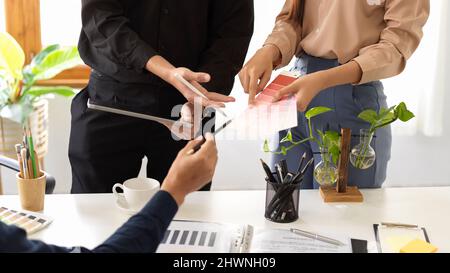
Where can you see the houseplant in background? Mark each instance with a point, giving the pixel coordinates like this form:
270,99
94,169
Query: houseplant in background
22,100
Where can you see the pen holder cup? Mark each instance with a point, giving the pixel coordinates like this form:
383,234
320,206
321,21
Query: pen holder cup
32,192
282,202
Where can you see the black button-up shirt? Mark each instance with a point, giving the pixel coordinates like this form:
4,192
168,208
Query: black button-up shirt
120,36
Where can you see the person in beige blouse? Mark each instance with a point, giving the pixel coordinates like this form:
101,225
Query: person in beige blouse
344,49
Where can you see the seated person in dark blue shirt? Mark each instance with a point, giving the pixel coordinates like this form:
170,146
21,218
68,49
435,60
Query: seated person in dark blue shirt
144,231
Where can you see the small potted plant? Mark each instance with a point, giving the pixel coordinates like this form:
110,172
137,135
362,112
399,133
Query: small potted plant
22,100
363,155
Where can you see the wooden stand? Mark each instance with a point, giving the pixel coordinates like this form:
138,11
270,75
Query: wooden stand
342,193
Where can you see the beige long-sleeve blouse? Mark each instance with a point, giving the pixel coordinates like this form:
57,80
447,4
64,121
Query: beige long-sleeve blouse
380,35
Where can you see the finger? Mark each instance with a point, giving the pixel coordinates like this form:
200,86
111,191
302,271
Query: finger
220,97
197,76
209,148
290,89
253,89
200,87
264,80
243,76
192,144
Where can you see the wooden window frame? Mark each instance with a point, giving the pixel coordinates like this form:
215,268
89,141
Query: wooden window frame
23,22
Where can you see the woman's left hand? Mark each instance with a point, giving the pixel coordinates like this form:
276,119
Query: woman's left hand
306,89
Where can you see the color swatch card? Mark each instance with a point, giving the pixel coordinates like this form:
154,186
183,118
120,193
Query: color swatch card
29,221
266,117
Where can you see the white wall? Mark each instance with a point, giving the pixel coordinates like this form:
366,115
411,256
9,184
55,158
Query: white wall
416,160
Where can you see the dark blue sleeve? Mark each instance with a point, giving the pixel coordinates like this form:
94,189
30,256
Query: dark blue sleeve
14,240
142,233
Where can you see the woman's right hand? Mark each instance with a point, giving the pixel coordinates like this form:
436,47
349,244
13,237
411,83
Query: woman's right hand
257,71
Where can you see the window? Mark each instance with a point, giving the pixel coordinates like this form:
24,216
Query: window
53,13
39,23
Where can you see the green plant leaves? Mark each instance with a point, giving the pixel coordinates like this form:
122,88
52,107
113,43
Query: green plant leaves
12,57
266,147
52,61
403,113
386,116
288,137
369,116
313,112
38,91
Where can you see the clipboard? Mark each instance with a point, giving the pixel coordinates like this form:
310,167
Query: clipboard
378,239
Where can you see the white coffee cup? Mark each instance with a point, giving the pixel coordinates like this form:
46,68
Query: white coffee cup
137,191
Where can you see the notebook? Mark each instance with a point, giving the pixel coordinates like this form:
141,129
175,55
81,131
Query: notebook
393,239
31,222
208,237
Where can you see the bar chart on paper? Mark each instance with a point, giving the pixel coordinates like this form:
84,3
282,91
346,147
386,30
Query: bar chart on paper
198,237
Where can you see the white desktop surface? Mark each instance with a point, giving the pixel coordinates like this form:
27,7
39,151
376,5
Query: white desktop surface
87,220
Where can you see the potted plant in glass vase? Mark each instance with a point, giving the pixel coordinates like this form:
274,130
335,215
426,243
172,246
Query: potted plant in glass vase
363,156
22,100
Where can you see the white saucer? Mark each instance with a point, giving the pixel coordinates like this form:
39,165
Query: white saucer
122,205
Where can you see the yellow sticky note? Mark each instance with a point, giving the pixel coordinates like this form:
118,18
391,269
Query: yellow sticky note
418,246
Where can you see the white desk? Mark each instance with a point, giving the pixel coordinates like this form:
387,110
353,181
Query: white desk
88,220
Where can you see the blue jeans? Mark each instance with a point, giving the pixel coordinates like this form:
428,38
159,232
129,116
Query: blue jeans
347,101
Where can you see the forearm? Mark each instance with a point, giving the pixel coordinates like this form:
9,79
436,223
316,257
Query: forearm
349,73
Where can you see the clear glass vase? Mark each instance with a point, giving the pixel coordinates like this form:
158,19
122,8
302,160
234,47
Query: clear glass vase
326,172
363,155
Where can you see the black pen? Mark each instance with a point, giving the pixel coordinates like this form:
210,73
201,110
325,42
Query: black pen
268,172
284,167
300,175
301,163
199,145
279,172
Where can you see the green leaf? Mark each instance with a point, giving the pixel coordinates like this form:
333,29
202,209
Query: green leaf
12,57
38,91
266,147
54,63
288,138
403,113
317,111
332,136
44,53
335,153
284,150
369,116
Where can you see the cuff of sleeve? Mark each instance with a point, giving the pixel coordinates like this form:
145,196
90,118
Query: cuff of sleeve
367,64
162,206
141,54
287,53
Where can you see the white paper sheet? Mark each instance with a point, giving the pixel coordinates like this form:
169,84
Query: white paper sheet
284,241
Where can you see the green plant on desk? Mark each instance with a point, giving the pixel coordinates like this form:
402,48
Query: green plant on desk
362,155
328,142
19,90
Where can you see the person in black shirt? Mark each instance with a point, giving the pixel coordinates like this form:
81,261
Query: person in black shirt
134,49
143,232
